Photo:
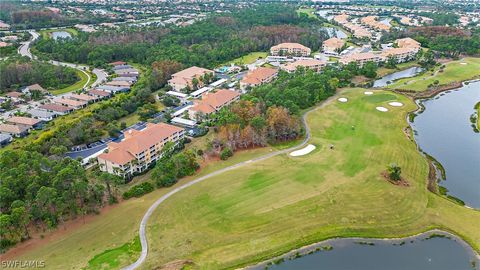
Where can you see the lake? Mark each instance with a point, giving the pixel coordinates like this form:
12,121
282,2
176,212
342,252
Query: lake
409,72
60,34
443,130
409,254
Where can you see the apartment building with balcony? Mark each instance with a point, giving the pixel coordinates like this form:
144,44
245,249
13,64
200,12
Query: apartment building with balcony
139,149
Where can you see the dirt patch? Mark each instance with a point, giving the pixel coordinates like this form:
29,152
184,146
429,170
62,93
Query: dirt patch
432,178
430,92
408,132
402,182
175,265
37,241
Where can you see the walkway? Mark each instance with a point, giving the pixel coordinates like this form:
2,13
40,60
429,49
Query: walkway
146,217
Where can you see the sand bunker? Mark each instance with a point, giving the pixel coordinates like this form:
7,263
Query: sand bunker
395,104
463,63
342,99
382,109
307,149
368,93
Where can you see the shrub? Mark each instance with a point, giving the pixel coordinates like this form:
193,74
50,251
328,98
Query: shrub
138,190
226,153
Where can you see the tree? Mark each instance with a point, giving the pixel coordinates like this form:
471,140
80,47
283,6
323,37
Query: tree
226,153
394,172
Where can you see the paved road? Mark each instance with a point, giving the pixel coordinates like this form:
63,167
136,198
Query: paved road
146,217
24,50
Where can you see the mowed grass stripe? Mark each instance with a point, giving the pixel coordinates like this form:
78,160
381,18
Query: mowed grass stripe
298,203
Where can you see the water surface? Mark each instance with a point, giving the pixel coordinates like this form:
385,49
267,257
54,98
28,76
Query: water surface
348,254
444,131
406,73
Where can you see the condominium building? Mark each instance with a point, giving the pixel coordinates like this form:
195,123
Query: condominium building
408,43
362,58
332,46
294,49
139,149
372,22
184,78
258,77
313,64
400,54
212,102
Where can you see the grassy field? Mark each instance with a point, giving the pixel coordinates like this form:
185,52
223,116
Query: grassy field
455,71
267,208
247,59
308,11
46,34
76,86
108,239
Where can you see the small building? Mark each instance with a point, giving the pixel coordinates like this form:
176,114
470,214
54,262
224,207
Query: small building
100,94
258,77
119,83
118,67
15,97
34,87
332,46
113,89
139,149
83,98
185,78
14,130
41,114
212,102
124,72
56,108
200,92
75,104
293,49
29,123
181,96
126,79
184,122
312,64
117,63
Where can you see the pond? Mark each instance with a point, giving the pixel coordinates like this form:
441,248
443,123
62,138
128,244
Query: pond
444,131
386,80
437,253
60,34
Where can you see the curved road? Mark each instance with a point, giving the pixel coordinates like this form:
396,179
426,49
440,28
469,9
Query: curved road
146,217
24,50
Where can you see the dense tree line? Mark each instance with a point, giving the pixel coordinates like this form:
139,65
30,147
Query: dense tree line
43,192
173,166
206,43
18,72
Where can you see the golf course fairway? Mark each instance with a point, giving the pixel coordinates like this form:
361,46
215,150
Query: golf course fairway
270,207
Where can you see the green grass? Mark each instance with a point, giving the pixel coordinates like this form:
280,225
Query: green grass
247,59
74,87
113,228
270,207
454,72
113,258
308,11
267,208
46,34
